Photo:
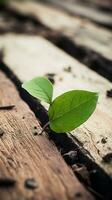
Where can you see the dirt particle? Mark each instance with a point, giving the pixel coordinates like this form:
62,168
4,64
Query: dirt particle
51,76
109,93
35,127
35,133
108,158
7,182
1,132
60,78
71,157
31,183
103,140
109,148
68,69
78,195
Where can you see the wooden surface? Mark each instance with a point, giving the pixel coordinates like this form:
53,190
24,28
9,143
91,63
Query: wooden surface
78,30
84,10
91,3
24,55
96,4
25,156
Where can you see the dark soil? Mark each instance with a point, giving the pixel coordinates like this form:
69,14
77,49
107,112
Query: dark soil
108,158
109,93
1,133
51,76
104,140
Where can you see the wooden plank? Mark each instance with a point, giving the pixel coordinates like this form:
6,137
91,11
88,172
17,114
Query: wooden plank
78,8
97,4
30,56
80,31
25,156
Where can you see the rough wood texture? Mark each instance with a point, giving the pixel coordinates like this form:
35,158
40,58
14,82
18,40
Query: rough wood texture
78,8
23,155
29,56
80,31
93,2
104,5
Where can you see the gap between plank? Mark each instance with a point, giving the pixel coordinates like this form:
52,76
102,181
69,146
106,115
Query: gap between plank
85,55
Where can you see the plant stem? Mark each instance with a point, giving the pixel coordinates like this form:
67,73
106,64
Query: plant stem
44,127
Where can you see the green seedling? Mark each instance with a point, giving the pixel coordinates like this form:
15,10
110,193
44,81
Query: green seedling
69,110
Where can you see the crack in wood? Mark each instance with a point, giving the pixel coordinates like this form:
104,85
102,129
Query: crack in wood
7,107
91,137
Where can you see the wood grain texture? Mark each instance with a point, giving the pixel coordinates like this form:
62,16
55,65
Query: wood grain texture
23,155
96,4
80,31
24,55
78,8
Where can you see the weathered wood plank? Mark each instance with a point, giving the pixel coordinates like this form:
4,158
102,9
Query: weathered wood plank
97,4
80,31
78,8
32,56
25,156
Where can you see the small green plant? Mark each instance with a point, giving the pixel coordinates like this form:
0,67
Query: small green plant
67,111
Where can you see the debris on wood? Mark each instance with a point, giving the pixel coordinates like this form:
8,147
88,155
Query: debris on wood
31,183
109,93
51,76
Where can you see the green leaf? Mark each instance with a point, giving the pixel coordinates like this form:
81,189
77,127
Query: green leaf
40,88
71,109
